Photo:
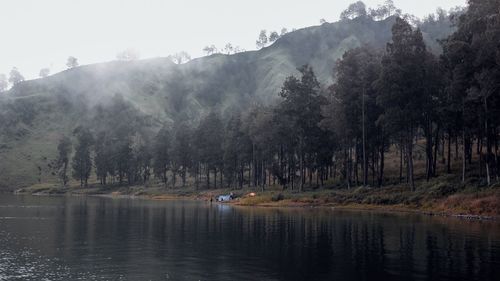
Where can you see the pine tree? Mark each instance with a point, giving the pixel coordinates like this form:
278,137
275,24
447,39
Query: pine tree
161,154
64,149
82,162
302,106
401,87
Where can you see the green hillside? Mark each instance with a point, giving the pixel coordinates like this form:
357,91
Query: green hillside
34,114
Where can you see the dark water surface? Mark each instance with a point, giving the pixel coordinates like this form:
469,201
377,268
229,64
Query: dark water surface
83,238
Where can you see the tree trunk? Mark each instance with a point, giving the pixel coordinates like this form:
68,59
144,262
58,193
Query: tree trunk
208,177
373,166
310,176
183,176
302,176
356,163
165,179
241,176
448,165
381,168
428,150
249,174
365,166
196,178
401,162
480,153
221,178
436,146
410,160
215,178
495,139
410,169
464,154
347,154
488,142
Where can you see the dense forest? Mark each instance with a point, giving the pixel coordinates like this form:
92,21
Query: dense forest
399,99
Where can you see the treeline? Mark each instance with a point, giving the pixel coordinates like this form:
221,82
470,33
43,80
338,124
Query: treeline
398,98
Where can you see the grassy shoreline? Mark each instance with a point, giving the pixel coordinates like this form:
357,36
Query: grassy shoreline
439,197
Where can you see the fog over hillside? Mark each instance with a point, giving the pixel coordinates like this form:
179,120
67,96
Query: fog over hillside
37,112
42,34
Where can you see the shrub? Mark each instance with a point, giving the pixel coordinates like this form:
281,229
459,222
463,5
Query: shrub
277,197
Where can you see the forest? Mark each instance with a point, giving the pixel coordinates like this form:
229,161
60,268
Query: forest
394,101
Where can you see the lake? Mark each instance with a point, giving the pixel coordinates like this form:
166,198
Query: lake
92,238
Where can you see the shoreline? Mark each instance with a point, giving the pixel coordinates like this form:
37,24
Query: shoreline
266,199
378,208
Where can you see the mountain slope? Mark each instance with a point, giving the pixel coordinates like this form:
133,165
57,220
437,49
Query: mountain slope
35,113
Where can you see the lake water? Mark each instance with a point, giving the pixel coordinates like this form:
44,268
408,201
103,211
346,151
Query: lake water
88,238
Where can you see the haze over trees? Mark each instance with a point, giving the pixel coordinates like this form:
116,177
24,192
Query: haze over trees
15,77
44,72
402,100
71,62
228,49
351,115
382,100
64,149
128,55
262,40
354,10
210,50
472,61
273,36
404,105
384,11
82,161
180,57
4,83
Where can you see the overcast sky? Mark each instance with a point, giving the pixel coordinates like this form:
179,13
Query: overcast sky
37,34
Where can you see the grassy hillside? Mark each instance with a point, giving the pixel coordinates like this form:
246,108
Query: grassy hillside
34,114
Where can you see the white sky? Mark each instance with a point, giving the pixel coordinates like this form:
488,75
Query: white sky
43,33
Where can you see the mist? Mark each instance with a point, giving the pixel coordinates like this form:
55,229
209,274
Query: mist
42,34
